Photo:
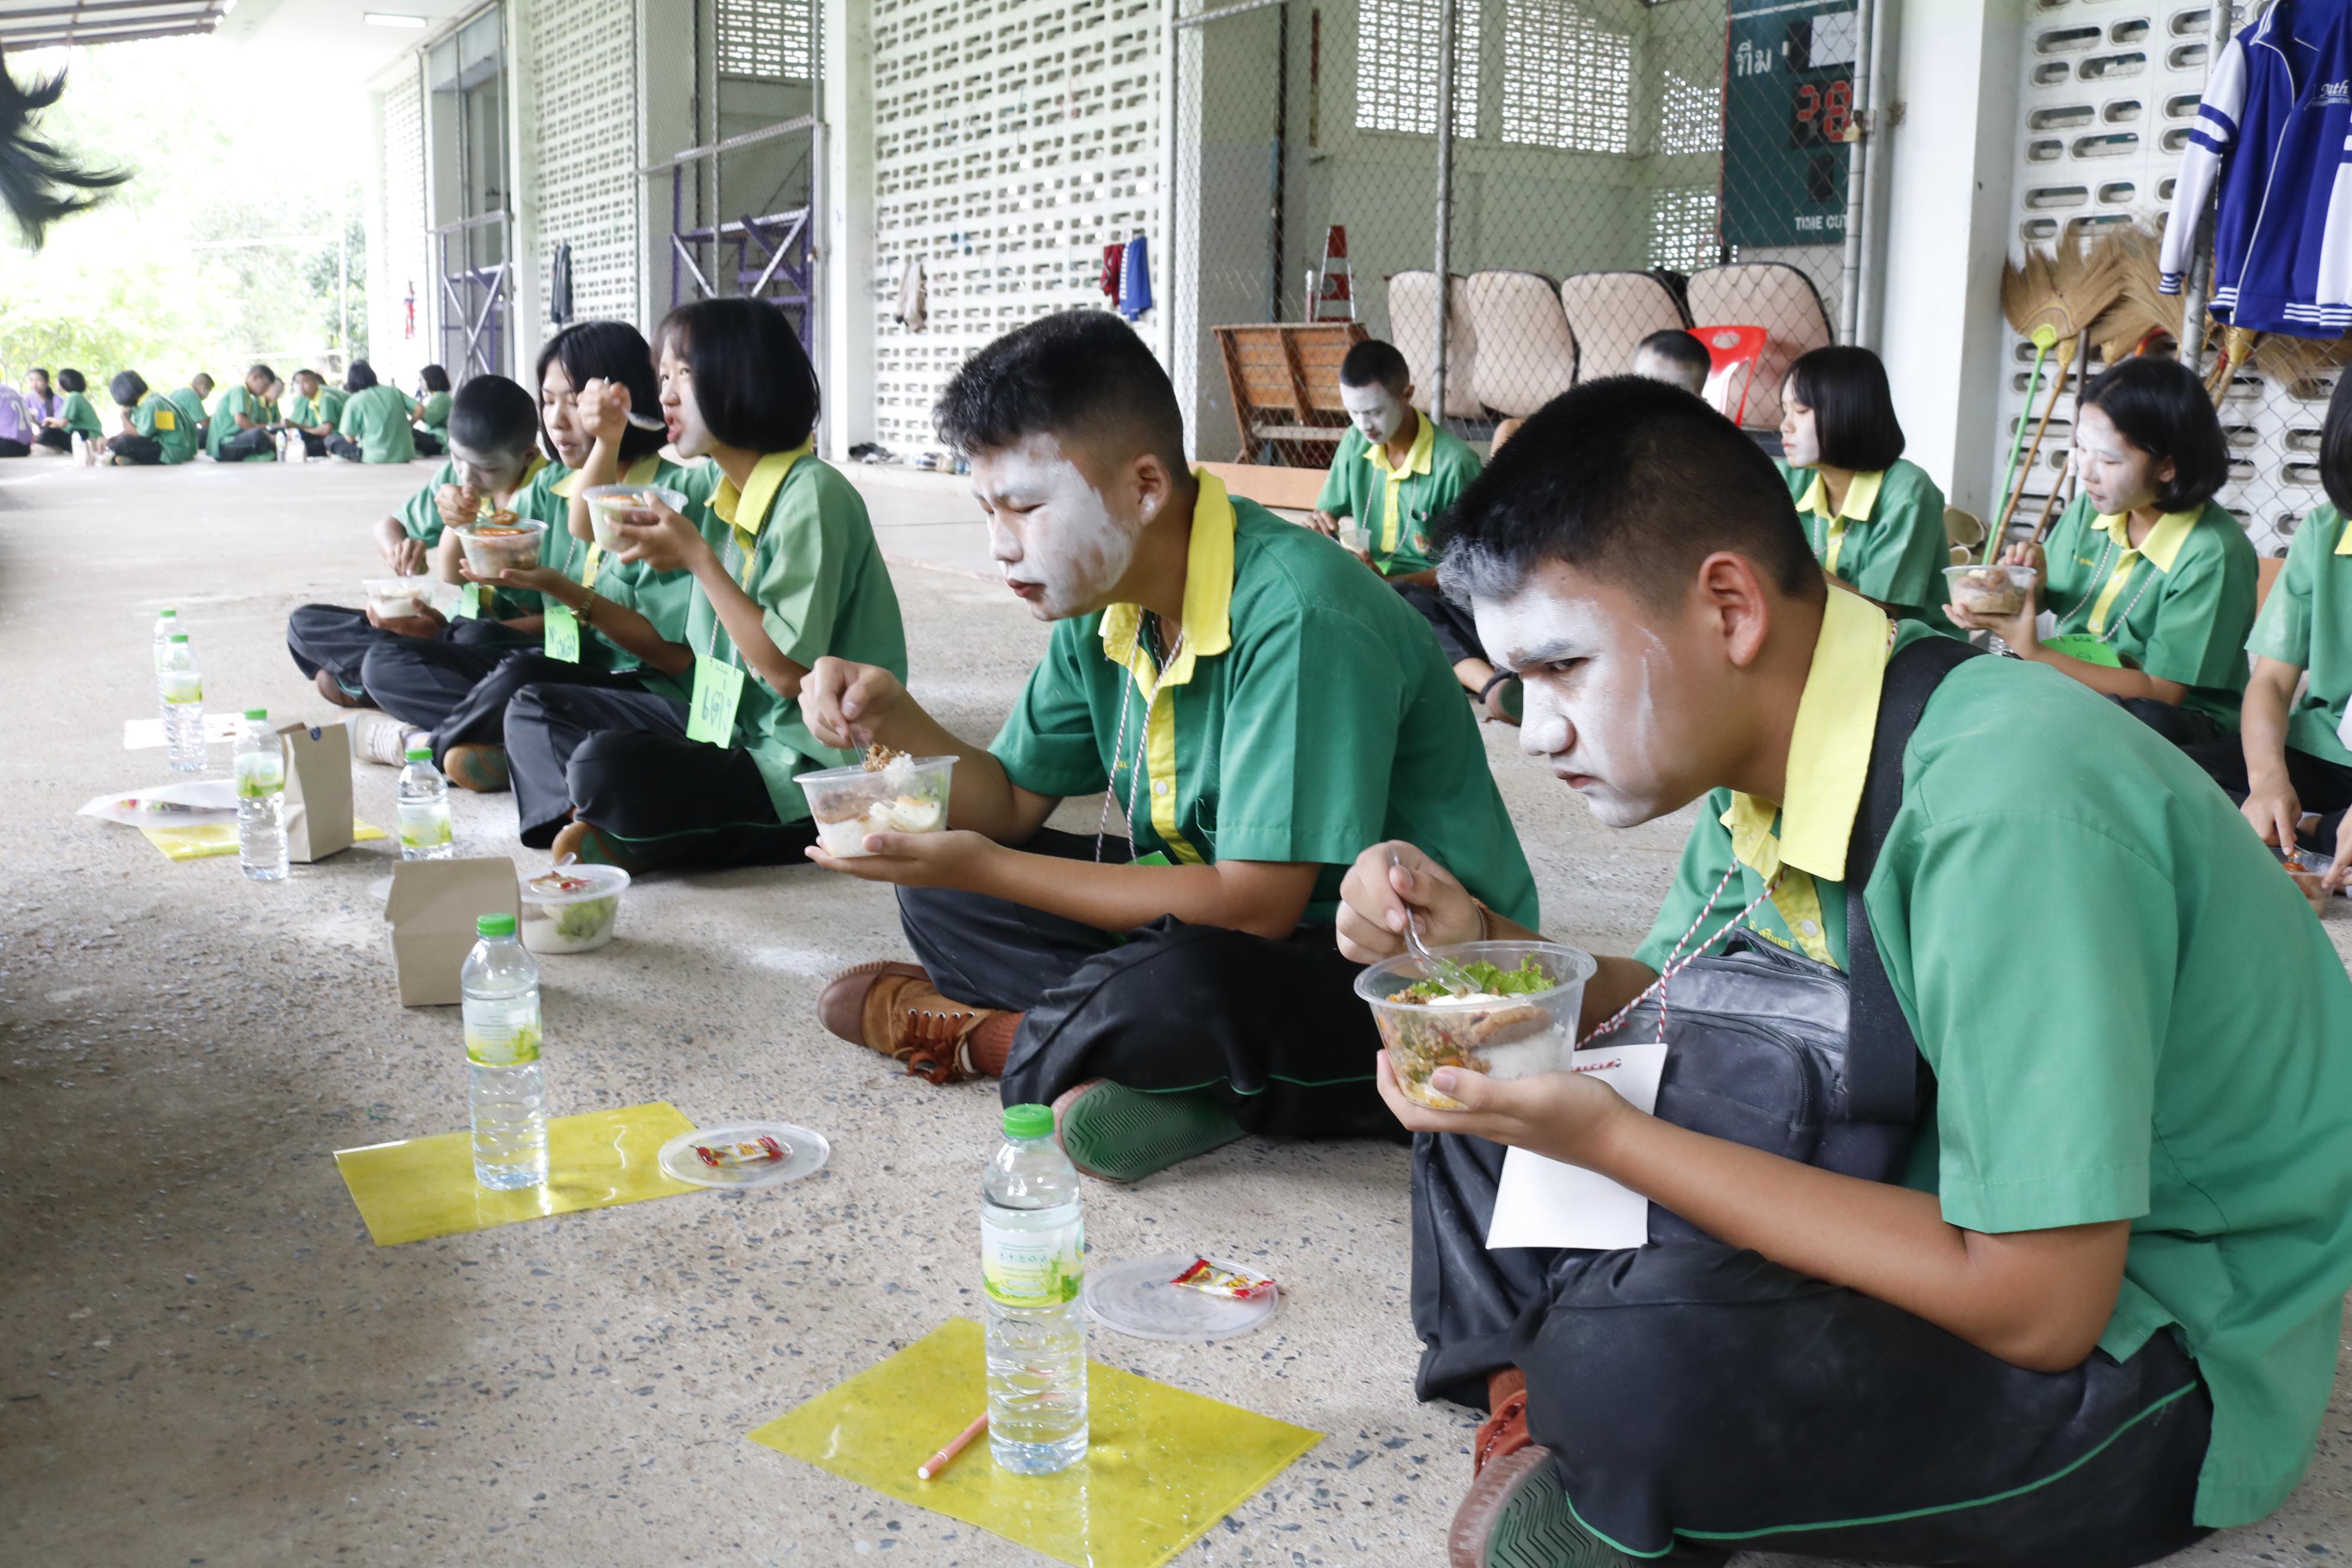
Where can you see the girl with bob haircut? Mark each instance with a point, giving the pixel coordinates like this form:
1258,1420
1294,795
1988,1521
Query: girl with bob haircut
458,693
2290,764
699,766
75,416
2151,584
1876,522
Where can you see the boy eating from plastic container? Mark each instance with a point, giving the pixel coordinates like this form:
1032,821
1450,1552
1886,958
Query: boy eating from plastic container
2050,1267
1258,706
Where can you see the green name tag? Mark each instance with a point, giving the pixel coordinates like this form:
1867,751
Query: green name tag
2086,647
469,602
711,714
562,637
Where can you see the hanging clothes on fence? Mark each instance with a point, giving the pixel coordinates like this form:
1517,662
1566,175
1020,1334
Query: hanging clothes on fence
1114,263
914,303
2274,134
1134,279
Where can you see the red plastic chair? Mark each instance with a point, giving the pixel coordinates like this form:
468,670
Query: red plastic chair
1729,349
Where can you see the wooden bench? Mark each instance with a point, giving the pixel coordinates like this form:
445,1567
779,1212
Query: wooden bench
1284,378
1284,489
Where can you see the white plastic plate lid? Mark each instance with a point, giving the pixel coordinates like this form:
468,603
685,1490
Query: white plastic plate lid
806,1153
1136,1299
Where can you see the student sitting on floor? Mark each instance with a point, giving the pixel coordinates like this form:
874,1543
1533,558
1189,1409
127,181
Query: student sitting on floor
374,427
785,571
317,412
2090,1309
46,402
619,614
1256,705
1396,470
190,401
75,416
245,421
2292,752
432,420
1876,522
153,431
495,434
16,426
2151,583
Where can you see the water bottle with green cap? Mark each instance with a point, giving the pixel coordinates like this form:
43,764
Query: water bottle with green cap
1033,1243
260,762
506,1100
181,686
423,810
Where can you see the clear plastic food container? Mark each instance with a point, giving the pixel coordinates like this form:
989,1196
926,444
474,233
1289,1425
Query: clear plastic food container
906,794
608,502
499,542
393,598
1499,1030
572,908
1995,590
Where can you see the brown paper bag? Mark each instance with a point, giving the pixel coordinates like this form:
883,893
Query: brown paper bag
432,910
318,790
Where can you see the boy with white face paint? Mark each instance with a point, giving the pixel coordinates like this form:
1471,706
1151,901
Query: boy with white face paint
2117,1242
1256,705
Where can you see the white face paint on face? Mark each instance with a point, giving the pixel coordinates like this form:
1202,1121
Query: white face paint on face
559,411
2118,475
1801,436
1062,546
1602,693
680,413
488,473
1376,411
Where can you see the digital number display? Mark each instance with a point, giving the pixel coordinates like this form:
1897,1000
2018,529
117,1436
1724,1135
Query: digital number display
1820,113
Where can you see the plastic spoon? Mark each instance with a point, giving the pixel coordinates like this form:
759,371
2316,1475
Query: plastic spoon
1445,971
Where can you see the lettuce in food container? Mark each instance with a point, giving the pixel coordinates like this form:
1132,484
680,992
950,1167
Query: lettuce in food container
1519,1021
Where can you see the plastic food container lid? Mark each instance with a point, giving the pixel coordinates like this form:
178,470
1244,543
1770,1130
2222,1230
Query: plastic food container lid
1137,1299
806,1153
860,771
602,882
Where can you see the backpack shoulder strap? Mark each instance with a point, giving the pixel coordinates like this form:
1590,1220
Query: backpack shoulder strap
1886,1079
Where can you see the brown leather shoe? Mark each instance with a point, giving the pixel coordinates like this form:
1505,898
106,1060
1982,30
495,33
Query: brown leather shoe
482,769
332,690
893,1007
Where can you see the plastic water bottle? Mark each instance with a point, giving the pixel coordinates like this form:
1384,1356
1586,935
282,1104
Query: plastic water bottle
423,810
166,623
260,799
506,1100
181,686
1032,1260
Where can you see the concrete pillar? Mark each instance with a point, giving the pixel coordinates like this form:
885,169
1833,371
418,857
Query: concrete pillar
528,317
1946,231
845,233
664,110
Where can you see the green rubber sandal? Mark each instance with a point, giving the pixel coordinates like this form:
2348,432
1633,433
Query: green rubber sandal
1117,1135
1516,1516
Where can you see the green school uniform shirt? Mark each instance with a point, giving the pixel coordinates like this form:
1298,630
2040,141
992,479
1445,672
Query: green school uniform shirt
191,407
233,401
1887,538
78,414
797,538
159,417
434,415
662,597
327,408
1398,506
2306,622
377,418
2130,1014
1307,714
2179,606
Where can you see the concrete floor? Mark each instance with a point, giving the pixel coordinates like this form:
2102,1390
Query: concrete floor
208,1362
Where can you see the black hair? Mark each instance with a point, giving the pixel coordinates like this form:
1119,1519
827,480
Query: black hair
360,377
2336,445
1375,363
262,371
314,375
70,380
492,415
614,351
41,371
1082,376
39,182
435,378
127,388
752,379
1634,480
1853,408
1677,347
201,375
2161,407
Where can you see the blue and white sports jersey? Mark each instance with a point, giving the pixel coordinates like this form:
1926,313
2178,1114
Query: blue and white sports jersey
2274,134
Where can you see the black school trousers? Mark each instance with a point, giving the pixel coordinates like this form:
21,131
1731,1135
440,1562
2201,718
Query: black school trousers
459,691
1273,1028
619,761
428,445
56,437
343,447
2321,786
1456,629
1695,1392
9,449
145,451
248,444
337,638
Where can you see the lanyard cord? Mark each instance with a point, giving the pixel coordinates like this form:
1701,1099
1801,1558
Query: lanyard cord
1676,961
2115,623
1142,740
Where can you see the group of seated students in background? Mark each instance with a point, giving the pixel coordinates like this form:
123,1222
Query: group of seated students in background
2107,1209
362,421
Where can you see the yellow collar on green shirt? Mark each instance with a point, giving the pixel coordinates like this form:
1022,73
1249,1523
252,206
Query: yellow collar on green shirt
1416,458
2162,545
1829,750
640,472
1861,496
1208,597
758,495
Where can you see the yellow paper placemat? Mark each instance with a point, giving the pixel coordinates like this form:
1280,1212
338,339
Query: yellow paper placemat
422,1187
220,839
1162,1465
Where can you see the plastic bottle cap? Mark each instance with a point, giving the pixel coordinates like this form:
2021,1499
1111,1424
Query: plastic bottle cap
167,615
504,925
420,754
257,713
179,636
1028,1121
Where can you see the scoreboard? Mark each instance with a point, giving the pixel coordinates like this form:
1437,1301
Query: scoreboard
1787,105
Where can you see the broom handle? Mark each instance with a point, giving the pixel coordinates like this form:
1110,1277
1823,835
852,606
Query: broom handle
2050,502
2033,453
2033,385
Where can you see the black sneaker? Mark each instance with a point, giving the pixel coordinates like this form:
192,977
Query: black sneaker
1517,1515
